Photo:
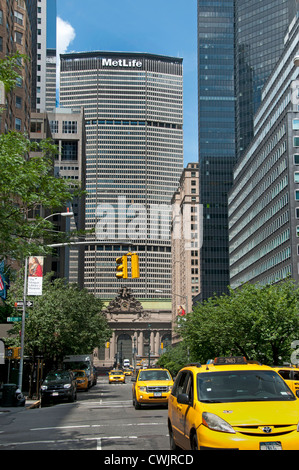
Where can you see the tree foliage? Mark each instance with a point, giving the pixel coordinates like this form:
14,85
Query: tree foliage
258,322
64,320
25,185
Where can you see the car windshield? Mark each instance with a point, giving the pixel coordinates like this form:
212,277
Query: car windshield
58,376
79,373
146,375
258,385
116,372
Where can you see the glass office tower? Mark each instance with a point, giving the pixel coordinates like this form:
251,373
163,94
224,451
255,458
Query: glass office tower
239,42
260,31
134,158
216,137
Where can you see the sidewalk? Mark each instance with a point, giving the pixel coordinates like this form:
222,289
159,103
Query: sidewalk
29,404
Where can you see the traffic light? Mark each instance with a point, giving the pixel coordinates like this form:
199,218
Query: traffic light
135,266
122,267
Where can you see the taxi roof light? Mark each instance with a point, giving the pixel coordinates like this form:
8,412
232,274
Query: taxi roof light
222,361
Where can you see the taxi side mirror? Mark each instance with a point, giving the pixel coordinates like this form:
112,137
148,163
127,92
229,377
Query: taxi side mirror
183,399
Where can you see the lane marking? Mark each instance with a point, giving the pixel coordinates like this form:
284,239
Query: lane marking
93,426
61,441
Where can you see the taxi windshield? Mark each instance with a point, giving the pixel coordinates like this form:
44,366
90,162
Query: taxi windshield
116,372
146,375
233,386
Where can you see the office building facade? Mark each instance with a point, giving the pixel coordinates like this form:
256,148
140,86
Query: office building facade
264,200
216,137
239,41
134,158
15,35
185,253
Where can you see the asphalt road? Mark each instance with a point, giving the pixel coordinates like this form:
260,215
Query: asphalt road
101,419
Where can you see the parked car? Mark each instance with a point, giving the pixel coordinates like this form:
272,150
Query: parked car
59,385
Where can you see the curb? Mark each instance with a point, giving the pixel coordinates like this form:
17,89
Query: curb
36,404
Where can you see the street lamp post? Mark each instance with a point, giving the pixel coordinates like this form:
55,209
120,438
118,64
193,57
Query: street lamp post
63,214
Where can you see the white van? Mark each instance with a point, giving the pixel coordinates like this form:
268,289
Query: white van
126,363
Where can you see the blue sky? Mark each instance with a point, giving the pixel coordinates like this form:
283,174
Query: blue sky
166,27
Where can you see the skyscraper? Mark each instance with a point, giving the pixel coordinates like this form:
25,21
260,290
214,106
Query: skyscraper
216,137
134,158
239,43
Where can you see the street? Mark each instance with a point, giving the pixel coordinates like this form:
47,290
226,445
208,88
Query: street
101,419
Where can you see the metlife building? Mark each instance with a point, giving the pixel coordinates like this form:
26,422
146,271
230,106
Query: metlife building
134,159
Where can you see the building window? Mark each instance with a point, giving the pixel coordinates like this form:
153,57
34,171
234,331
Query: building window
19,18
296,159
18,102
18,124
69,150
296,124
296,141
69,127
18,37
54,126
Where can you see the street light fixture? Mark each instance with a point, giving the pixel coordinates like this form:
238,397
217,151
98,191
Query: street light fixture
63,214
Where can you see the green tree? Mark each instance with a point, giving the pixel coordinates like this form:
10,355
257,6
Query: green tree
64,320
175,358
258,322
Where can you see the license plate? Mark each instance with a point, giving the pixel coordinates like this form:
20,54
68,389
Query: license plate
157,394
270,446
55,394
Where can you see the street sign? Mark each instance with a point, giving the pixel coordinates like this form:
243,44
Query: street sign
20,303
14,319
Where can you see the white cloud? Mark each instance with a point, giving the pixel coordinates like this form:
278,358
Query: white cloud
65,35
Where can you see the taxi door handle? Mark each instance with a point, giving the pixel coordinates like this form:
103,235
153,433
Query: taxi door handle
179,407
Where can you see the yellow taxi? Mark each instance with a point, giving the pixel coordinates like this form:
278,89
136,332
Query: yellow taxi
290,375
81,379
117,376
232,404
151,386
128,372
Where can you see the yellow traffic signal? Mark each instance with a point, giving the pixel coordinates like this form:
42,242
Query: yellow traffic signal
135,266
122,267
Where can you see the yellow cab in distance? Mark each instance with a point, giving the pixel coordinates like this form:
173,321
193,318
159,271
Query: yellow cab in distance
232,404
81,379
290,375
152,385
117,376
128,372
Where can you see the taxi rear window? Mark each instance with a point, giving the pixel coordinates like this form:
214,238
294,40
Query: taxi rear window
260,385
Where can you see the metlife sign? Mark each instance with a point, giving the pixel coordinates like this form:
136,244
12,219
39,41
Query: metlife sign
125,63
